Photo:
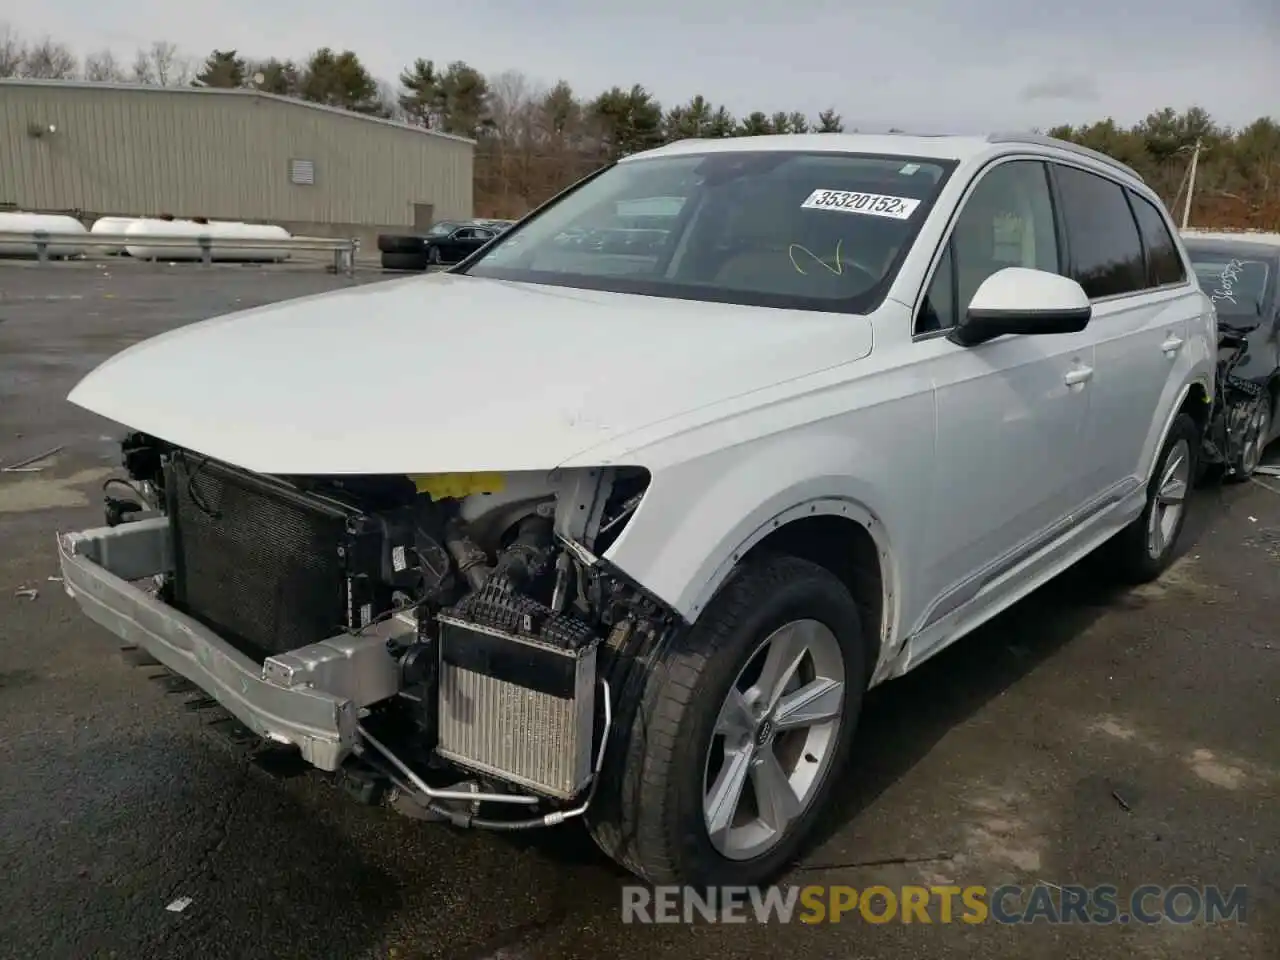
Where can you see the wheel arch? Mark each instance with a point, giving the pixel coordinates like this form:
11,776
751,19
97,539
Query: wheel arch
1196,401
841,536
844,546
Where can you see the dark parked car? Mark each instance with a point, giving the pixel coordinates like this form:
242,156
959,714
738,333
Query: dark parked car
445,242
1242,277
457,244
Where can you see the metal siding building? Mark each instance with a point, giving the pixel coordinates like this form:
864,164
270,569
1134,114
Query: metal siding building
131,150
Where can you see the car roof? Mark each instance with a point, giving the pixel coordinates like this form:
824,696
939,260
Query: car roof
963,148
941,147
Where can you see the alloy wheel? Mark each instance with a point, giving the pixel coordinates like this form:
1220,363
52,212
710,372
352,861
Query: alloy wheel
1170,500
774,739
1256,438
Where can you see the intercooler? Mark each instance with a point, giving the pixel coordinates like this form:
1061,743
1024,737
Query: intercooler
264,565
517,707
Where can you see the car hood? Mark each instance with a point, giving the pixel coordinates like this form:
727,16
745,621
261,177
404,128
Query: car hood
449,373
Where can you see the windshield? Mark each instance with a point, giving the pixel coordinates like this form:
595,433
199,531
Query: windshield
1236,286
440,229
816,231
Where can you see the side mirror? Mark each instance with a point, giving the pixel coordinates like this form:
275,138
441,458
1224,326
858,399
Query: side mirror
1018,300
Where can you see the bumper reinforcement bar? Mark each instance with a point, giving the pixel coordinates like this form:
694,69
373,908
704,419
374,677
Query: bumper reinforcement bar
310,697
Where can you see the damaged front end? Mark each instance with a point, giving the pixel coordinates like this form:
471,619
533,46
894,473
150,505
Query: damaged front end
456,637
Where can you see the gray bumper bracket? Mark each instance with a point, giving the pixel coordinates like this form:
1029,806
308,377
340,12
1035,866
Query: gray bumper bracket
285,704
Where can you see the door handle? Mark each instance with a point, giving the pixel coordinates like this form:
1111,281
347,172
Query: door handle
1078,375
1170,346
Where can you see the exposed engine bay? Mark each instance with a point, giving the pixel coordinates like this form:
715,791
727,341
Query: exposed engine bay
470,618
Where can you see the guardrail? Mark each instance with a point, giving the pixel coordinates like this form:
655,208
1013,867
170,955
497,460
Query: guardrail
343,250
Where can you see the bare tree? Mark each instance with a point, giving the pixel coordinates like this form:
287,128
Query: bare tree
511,106
102,67
170,67
143,72
12,52
162,65
390,101
49,61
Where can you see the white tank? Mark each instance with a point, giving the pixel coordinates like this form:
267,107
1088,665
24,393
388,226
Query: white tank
114,225
222,252
47,222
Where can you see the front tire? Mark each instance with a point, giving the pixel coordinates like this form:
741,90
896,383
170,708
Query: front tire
741,732
1146,548
1255,440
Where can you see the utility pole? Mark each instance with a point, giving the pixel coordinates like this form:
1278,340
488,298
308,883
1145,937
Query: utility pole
1191,186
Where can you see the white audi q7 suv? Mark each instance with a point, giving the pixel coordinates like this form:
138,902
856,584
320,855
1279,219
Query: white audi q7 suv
731,431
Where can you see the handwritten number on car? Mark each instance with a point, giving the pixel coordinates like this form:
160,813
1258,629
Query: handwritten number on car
869,204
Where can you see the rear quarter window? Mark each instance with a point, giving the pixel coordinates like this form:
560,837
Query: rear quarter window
1164,264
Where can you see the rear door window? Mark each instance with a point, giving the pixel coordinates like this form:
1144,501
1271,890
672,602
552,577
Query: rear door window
1106,250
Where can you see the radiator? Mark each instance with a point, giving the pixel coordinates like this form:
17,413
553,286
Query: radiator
515,707
254,560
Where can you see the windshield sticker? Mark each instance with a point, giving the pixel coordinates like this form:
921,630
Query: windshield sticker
868,204
909,169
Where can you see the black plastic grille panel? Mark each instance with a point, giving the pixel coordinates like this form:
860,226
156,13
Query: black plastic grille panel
259,567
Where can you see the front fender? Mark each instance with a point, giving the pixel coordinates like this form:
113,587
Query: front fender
699,517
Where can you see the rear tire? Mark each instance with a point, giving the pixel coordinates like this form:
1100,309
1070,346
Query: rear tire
1145,549
691,733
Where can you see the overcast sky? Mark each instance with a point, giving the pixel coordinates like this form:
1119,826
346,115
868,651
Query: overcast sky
924,65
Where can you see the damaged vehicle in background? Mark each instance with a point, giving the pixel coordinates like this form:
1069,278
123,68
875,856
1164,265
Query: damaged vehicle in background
631,544
1241,275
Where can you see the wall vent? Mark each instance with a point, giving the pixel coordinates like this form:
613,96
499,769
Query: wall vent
302,172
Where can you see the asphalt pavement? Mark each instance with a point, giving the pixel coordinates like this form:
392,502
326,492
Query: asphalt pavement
1087,737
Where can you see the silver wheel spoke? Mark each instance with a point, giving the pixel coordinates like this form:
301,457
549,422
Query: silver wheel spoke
1169,499
816,702
777,802
735,721
780,735
785,653
1174,464
722,803
1173,492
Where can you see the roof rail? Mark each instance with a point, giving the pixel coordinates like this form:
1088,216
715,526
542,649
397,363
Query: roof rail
1040,140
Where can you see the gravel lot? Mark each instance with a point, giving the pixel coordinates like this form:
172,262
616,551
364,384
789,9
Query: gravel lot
1087,737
